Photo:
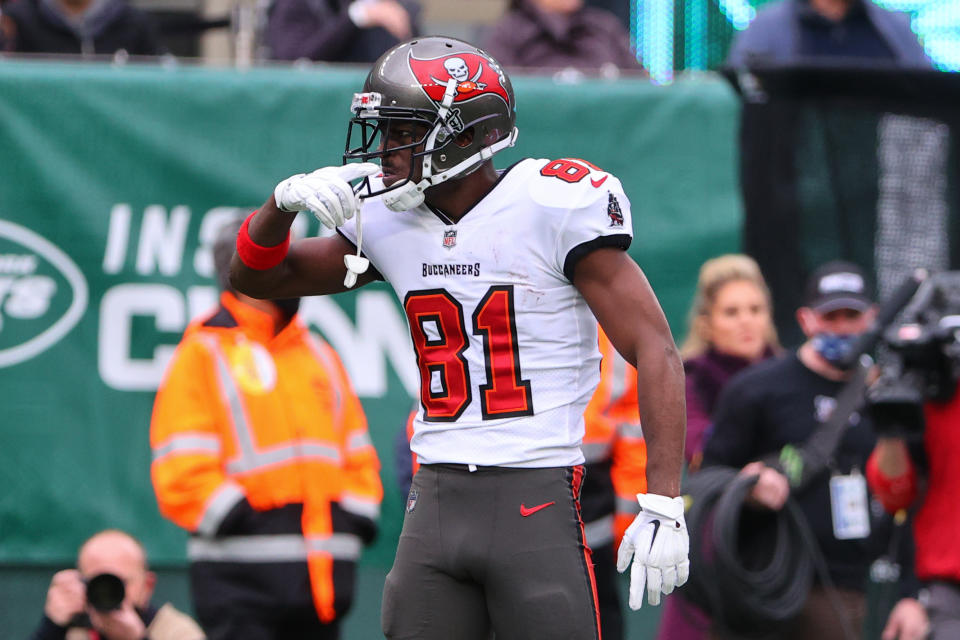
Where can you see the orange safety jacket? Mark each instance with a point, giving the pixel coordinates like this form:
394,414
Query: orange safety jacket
245,419
614,450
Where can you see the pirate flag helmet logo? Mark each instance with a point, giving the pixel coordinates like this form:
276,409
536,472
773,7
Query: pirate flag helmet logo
474,74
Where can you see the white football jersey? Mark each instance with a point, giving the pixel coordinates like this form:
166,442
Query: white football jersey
505,344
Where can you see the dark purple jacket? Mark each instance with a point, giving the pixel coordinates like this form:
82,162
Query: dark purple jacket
707,374
586,39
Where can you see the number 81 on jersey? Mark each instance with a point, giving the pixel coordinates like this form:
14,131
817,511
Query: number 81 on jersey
439,333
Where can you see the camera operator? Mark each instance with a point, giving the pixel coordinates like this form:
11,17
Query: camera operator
108,597
894,473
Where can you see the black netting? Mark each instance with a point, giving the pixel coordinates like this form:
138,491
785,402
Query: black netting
852,164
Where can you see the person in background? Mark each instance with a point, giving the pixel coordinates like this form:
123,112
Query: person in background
855,31
560,34
730,327
84,27
67,615
261,452
925,476
338,30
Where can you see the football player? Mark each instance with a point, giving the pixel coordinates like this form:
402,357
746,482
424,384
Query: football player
503,276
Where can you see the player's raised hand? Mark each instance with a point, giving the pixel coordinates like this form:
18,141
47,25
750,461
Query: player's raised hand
326,192
659,545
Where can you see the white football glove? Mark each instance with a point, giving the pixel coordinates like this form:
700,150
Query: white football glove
657,541
325,192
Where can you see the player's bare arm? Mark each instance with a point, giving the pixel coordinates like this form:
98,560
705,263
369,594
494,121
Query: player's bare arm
656,544
627,309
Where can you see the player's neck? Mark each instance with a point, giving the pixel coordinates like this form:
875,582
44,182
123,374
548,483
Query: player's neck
456,197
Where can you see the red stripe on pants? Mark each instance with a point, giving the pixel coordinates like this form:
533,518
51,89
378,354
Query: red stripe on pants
587,553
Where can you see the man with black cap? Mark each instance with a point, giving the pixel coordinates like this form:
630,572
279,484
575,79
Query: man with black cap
778,404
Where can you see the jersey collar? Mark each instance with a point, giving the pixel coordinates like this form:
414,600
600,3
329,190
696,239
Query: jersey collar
445,217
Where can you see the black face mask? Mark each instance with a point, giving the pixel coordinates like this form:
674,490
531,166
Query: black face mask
288,306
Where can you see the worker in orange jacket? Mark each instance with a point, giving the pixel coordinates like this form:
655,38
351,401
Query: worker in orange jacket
616,471
261,452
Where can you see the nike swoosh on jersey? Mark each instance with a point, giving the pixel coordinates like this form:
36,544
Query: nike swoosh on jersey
526,512
599,182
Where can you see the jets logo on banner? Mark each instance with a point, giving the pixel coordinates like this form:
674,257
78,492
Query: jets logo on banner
43,294
474,74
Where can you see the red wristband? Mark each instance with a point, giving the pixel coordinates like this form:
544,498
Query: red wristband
255,256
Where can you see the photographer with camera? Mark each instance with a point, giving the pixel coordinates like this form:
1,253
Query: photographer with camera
914,464
107,597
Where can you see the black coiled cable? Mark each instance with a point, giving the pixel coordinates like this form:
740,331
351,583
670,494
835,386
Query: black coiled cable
750,569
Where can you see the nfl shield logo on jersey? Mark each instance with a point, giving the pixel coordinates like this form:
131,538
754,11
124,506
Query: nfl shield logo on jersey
412,500
449,238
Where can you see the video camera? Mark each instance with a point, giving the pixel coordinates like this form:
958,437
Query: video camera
923,357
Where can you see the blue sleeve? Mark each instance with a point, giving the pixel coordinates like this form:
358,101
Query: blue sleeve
896,28
770,38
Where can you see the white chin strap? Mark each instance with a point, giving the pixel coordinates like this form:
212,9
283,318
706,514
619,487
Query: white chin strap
411,194
356,265
405,197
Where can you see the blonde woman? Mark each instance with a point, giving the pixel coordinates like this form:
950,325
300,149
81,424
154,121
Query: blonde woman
730,327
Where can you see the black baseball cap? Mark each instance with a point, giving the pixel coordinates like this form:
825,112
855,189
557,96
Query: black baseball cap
838,285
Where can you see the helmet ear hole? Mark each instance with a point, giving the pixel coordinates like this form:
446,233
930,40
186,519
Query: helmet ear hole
464,138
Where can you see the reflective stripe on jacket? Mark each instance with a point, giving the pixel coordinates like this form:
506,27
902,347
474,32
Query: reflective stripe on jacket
248,419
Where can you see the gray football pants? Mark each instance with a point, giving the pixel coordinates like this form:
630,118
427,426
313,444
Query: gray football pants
497,550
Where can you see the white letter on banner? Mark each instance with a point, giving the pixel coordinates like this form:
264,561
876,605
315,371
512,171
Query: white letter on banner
379,321
379,328
161,245
118,237
117,309
202,299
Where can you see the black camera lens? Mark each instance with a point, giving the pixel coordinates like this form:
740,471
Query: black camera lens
105,592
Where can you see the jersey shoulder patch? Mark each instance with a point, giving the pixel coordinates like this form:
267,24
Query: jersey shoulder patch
571,183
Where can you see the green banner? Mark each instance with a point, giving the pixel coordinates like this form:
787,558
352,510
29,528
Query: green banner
112,182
